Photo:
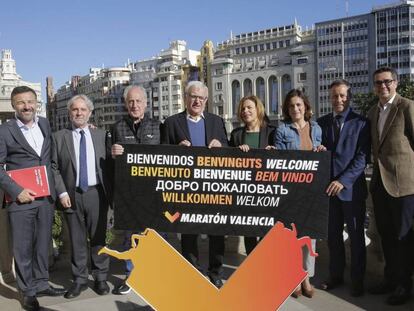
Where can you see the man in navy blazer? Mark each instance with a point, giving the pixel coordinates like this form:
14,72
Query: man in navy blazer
195,127
346,134
24,143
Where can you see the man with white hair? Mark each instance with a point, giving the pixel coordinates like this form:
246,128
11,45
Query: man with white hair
135,128
196,127
80,164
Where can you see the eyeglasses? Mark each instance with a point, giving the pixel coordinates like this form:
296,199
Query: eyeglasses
386,82
194,97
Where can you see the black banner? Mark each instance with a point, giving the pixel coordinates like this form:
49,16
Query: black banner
221,191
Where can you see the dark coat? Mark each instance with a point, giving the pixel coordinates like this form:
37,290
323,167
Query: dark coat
175,129
64,162
350,155
266,136
16,153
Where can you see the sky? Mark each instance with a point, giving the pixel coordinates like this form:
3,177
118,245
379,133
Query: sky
65,38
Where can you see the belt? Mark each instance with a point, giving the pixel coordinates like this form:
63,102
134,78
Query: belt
79,190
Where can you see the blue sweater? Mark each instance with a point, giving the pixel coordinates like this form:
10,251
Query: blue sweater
197,132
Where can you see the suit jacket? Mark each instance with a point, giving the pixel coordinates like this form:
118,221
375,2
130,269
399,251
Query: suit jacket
393,152
266,136
64,162
350,155
16,153
175,129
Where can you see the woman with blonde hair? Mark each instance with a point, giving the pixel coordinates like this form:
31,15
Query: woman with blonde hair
255,133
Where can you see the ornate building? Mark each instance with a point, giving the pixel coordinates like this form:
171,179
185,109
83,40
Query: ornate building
9,79
266,63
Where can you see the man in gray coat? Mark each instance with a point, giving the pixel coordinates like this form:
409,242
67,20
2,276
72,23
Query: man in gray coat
81,172
25,143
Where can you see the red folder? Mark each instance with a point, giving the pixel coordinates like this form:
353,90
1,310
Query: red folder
34,178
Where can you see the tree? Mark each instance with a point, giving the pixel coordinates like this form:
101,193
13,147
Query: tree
406,89
363,102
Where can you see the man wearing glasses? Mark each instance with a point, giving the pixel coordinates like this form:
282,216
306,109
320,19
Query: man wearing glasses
392,184
195,127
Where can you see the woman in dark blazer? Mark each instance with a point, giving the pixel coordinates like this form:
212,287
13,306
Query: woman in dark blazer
256,133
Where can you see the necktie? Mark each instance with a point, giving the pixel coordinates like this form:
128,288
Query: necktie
337,127
83,164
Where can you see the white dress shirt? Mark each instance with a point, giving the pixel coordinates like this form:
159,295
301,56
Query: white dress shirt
195,119
384,111
33,134
90,155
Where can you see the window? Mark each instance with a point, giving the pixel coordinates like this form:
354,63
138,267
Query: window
219,86
302,60
302,76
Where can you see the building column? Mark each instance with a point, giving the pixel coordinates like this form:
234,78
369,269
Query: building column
267,96
254,87
280,95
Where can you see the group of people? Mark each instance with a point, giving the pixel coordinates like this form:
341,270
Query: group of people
385,137
79,162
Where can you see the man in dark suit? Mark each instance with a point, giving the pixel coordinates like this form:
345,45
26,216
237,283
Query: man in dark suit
24,143
81,171
137,128
195,127
346,134
392,184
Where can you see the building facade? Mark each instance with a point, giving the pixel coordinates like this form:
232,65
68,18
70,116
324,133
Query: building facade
394,37
267,63
103,86
163,77
9,79
204,62
343,49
